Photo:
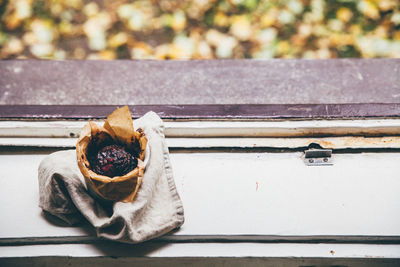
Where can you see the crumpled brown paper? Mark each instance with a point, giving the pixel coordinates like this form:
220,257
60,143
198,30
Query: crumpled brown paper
118,128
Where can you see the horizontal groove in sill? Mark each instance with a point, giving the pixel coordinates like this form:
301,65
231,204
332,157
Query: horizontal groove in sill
309,239
50,149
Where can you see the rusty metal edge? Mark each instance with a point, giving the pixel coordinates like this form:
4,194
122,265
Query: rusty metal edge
254,111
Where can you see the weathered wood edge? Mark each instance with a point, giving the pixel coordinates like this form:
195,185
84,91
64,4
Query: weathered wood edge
199,261
310,239
254,111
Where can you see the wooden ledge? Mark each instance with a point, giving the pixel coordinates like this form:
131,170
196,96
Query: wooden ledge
232,112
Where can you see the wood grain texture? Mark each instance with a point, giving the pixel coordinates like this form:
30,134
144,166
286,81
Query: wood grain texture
146,82
198,261
227,112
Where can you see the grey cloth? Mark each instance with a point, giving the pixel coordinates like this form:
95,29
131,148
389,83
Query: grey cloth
156,209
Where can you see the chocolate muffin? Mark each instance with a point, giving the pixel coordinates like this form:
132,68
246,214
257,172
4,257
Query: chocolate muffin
113,160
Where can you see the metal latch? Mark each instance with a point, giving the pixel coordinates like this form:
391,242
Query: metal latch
318,157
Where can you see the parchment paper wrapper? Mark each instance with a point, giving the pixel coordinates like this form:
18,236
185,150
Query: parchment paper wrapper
118,128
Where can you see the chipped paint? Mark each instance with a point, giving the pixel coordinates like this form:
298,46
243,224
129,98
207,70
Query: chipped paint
248,135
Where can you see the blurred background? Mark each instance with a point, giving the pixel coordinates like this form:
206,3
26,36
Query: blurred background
199,29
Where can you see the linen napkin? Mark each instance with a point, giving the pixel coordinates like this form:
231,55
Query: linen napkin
156,210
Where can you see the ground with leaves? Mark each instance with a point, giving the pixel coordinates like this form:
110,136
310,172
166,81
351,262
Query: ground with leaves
199,29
